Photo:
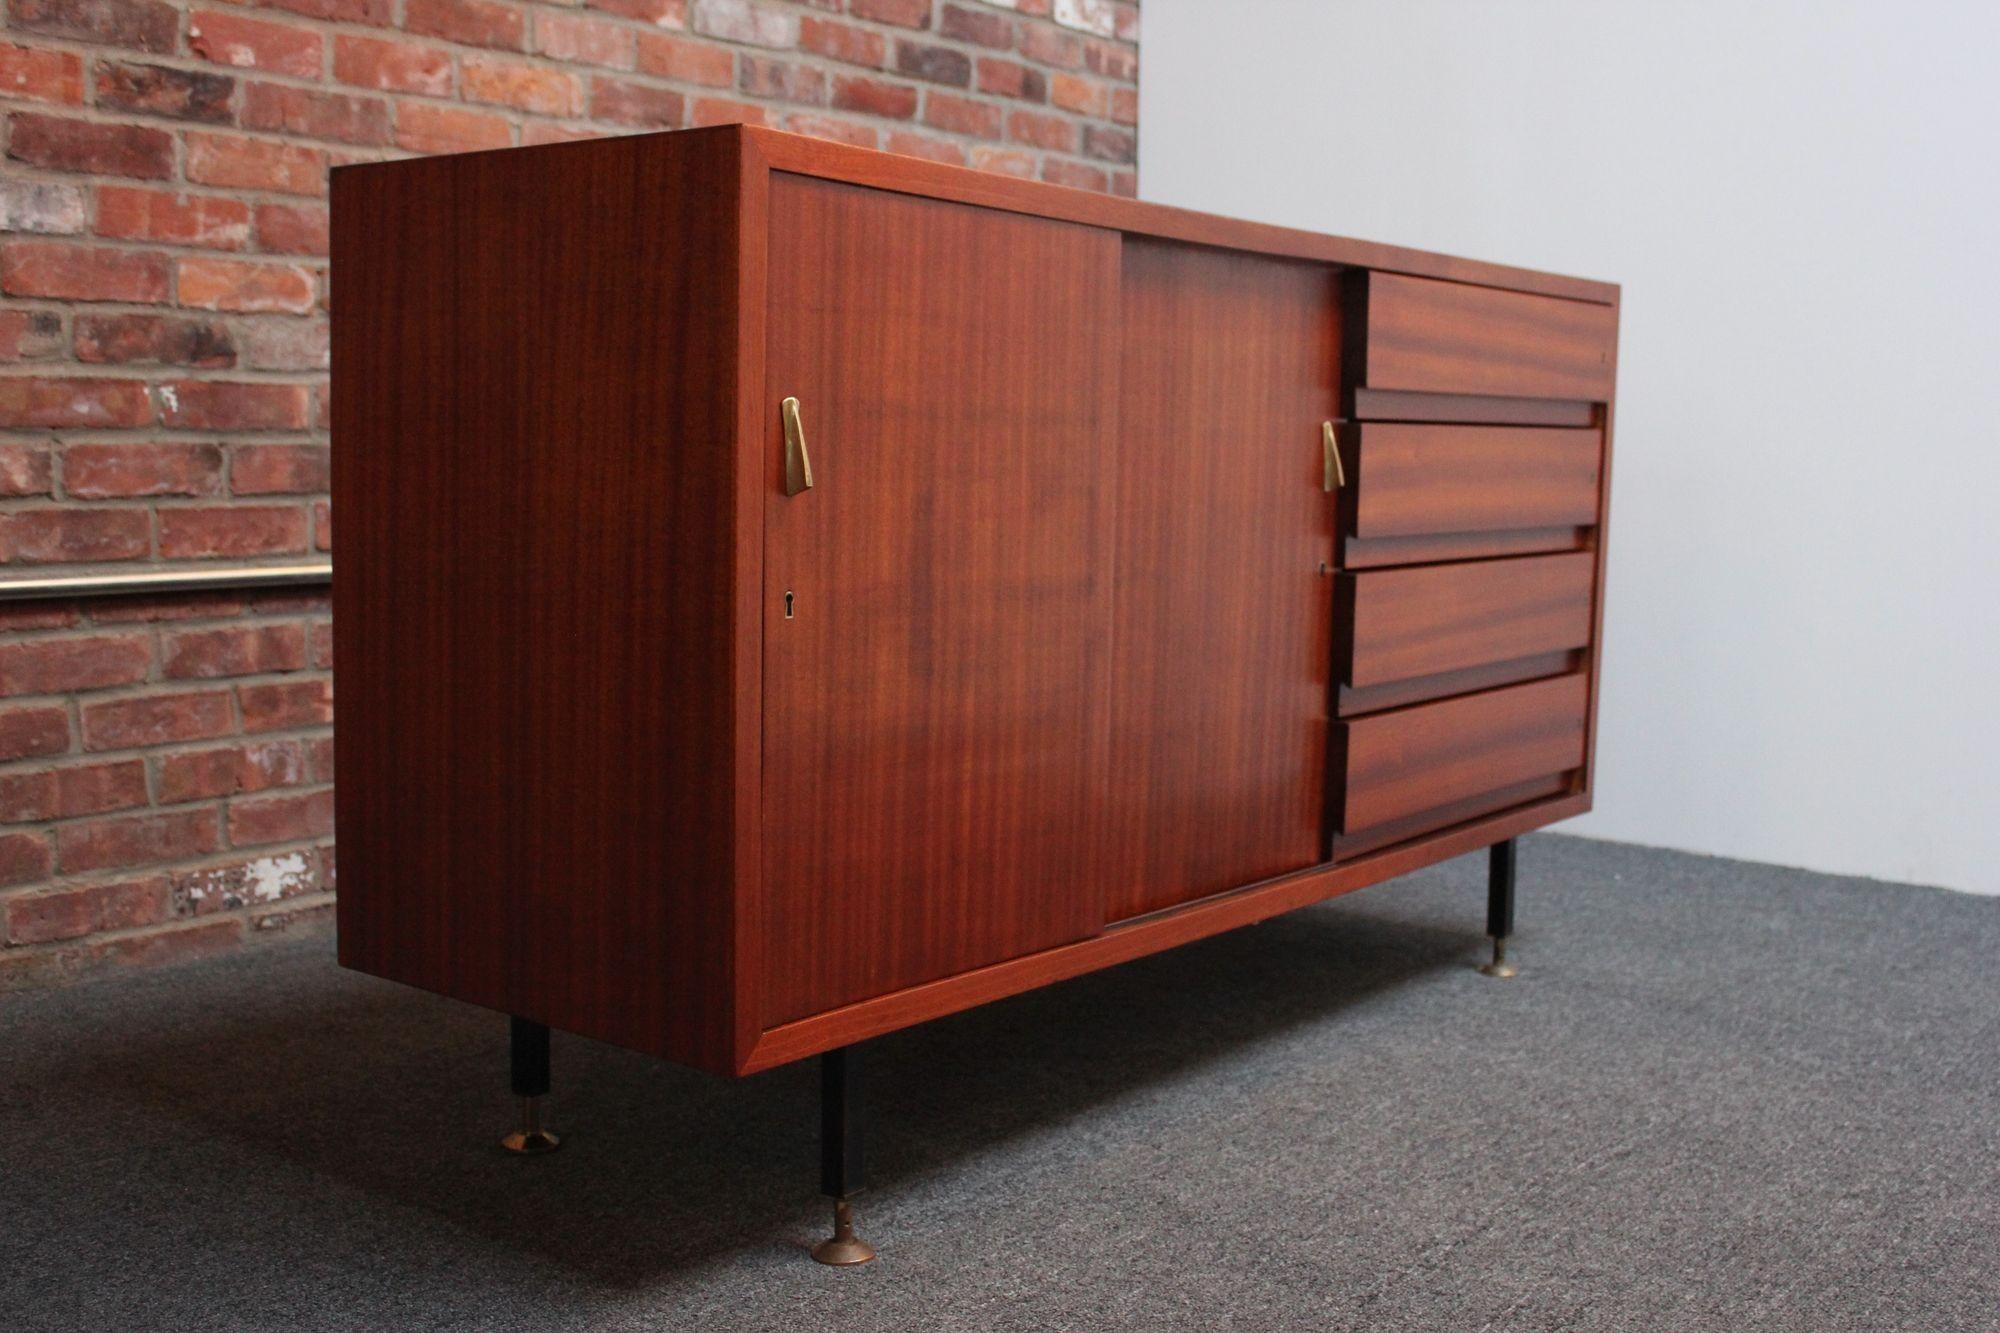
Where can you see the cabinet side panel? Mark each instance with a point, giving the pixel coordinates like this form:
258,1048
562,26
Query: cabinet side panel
535,359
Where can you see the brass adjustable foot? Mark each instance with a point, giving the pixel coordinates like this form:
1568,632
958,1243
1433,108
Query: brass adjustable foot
531,1137
1500,967
843,1248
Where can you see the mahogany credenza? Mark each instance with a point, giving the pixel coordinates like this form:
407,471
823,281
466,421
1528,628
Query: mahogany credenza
788,592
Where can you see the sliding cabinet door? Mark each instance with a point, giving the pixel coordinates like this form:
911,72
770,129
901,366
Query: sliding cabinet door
1224,598
938,604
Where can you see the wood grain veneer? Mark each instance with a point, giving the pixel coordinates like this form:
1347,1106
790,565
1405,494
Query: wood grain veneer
937,690
1059,683
1160,931
909,175
537,735
1223,619
1432,548
1411,760
1413,480
1475,409
1428,336
1352,701
1399,624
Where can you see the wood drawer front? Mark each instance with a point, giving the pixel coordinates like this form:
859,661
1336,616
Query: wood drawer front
1447,337
1402,624
1413,481
1429,758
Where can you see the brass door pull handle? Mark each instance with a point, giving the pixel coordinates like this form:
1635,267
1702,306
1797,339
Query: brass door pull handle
798,464
1336,475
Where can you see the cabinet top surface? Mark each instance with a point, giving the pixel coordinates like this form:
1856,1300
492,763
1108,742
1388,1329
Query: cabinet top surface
774,150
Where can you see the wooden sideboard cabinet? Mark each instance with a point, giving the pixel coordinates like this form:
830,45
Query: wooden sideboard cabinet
788,592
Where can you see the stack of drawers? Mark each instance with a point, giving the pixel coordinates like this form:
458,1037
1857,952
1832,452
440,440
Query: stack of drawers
1468,551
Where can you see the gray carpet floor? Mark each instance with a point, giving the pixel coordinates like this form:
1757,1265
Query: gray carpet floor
1721,1096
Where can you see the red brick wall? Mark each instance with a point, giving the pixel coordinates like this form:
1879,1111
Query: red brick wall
165,761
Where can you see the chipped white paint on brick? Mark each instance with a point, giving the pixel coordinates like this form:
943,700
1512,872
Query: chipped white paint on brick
170,398
278,763
240,54
264,880
1089,15
740,21
273,877
41,206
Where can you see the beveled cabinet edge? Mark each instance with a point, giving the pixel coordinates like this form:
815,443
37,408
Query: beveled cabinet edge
757,468
1588,782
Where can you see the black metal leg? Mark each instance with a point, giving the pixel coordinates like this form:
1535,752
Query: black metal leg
842,1169
528,1059
1500,907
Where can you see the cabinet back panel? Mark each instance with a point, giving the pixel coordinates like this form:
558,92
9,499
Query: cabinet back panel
935,717
1223,611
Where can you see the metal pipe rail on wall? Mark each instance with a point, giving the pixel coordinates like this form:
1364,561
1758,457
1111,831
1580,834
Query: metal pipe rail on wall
129,583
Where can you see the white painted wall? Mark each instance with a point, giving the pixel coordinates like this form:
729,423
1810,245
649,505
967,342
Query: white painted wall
1802,200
